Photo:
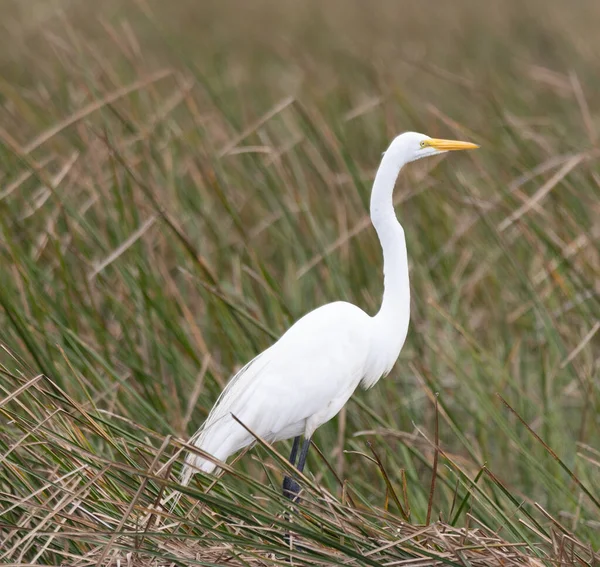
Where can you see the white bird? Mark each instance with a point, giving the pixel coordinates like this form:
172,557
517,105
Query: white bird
306,377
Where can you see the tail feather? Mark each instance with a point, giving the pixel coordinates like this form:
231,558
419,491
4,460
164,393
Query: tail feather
220,440
220,435
193,464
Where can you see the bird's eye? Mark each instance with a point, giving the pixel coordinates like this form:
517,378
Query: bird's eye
422,144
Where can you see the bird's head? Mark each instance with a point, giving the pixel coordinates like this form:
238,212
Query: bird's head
411,146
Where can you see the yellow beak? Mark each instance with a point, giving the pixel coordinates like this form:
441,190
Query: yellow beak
449,145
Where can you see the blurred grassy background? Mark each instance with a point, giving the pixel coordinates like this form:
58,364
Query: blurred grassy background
179,182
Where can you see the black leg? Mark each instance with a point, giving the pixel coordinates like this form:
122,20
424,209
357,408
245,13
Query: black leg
303,454
294,450
290,486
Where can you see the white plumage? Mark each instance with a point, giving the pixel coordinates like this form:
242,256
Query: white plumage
307,376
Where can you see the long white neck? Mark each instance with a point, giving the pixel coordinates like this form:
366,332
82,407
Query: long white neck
395,308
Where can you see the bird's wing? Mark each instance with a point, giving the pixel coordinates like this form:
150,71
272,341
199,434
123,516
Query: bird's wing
312,369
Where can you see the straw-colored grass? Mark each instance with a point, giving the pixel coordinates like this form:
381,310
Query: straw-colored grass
179,183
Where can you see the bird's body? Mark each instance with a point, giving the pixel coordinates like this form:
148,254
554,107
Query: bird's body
307,376
289,389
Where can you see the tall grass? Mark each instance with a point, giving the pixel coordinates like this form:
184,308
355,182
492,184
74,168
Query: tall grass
179,184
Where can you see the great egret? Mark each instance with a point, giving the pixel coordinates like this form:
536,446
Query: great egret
307,376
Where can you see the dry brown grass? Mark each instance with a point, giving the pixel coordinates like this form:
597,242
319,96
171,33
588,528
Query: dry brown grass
179,182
